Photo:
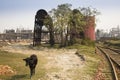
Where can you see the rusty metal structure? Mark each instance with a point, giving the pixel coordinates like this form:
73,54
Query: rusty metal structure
42,19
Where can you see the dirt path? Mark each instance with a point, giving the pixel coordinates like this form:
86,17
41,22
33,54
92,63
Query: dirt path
67,63
64,61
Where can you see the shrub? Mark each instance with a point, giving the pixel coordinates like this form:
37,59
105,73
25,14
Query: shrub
87,42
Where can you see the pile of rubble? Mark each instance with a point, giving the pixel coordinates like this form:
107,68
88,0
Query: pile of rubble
6,70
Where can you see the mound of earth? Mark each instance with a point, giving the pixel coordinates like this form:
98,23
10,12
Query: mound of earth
6,70
3,44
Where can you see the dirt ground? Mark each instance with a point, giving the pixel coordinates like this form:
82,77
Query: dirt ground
65,61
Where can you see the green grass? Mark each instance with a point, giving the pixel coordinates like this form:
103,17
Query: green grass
91,63
87,50
113,43
14,60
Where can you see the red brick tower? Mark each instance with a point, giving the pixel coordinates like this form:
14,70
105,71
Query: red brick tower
90,28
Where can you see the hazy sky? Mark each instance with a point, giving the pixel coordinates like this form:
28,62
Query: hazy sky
20,13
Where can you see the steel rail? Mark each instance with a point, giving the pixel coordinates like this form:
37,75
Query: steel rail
111,63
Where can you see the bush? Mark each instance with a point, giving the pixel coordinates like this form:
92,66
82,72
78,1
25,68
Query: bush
87,42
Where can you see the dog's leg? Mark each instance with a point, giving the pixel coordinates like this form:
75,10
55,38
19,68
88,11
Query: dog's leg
34,71
31,72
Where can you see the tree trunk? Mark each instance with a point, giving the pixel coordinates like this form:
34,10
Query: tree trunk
62,39
51,41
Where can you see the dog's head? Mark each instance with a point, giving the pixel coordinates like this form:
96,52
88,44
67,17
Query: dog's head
27,61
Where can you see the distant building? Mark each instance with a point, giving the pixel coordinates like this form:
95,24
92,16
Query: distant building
19,30
10,31
18,35
25,34
115,32
26,31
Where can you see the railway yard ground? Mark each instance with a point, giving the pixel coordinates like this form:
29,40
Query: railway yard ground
110,50
54,63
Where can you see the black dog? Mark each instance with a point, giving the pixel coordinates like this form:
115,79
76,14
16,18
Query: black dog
32,62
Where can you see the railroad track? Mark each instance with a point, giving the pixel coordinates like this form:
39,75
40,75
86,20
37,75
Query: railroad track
115,50
113,58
